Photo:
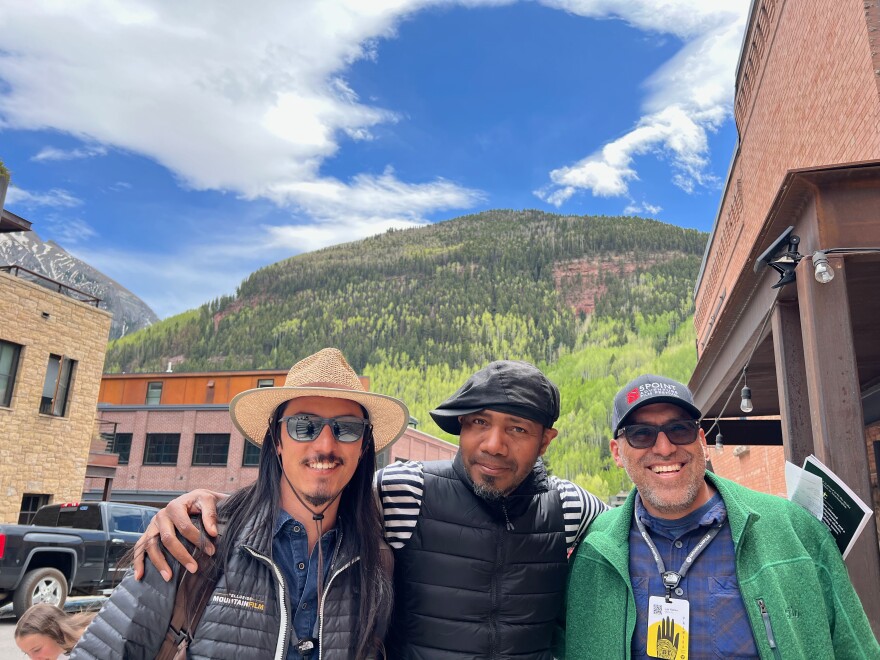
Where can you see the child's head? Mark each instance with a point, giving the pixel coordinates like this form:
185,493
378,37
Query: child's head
44,632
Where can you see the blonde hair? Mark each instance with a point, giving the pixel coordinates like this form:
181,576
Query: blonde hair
59,626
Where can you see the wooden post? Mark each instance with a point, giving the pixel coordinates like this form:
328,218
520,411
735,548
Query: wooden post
791,382
837,418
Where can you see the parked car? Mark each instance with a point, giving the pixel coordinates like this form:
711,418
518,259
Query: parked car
72,548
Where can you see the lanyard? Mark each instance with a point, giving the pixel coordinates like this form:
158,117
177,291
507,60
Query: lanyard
671,579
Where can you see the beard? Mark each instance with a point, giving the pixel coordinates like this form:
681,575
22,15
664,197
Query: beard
488,491
668,501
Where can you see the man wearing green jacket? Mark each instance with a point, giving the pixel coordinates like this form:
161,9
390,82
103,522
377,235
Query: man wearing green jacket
696,566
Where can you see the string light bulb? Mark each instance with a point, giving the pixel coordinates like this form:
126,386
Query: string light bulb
823,272
719,443
746,404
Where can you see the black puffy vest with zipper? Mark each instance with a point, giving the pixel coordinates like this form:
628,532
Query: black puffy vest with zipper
480,579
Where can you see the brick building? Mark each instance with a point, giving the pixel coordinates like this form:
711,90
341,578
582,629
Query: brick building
52,343
173,433
785,301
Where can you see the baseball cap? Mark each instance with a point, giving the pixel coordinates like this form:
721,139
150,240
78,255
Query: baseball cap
649,389
510,386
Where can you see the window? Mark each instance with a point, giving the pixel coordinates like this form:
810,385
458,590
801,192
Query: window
266,382
121,445
210,449
71,514
154,393
251,454
161,448
127,519
59,374
29,505
9,353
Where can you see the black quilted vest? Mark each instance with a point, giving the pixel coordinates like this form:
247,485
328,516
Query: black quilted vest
468,584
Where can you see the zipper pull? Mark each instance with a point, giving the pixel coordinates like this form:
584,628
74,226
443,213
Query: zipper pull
765,615
509,524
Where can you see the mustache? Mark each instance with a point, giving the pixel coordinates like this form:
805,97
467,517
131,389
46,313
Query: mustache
323,458
494,461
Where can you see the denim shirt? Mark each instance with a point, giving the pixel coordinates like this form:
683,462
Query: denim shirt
290,551
718,619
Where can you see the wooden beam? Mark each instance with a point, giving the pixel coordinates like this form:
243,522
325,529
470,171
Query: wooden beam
836,410
791,382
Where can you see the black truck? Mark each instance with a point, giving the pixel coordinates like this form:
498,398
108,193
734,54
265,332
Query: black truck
72,548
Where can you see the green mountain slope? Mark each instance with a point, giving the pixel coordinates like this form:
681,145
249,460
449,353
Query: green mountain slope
592,300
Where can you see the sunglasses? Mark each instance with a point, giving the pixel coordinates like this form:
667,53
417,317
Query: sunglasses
304,427
643,436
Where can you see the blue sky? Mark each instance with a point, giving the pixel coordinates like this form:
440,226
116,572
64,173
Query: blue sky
178,147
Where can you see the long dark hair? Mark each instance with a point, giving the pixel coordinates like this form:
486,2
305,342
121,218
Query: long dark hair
358,518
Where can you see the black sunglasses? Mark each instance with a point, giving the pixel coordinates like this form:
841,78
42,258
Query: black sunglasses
643,436
304,427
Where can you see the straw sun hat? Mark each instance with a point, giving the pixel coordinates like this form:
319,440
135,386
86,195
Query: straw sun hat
327,374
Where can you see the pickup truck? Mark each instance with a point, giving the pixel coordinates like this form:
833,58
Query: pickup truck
71,548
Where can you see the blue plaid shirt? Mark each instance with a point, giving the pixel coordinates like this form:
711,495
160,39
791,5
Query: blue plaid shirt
290,550
719,623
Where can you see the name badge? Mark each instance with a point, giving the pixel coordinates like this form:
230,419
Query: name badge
668,628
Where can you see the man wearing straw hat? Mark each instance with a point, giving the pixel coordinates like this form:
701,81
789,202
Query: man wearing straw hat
297,569
481,543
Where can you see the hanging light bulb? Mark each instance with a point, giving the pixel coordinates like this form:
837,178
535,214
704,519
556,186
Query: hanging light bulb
823,271
746,404
719,443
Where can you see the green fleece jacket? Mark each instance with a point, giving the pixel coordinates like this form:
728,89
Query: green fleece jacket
785,559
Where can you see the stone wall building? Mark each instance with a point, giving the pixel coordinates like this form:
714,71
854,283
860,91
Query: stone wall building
51,356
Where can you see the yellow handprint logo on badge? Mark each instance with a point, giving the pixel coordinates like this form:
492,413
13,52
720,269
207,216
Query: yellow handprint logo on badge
667,640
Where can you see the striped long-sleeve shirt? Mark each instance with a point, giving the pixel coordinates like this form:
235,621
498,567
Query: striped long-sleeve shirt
401,488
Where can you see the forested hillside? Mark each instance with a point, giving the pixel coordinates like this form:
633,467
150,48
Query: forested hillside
592,300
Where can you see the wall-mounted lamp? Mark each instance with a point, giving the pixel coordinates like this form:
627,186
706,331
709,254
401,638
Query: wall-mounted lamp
823,272
782,256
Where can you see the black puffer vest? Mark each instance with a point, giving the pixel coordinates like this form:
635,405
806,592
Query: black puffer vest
480,579
247,616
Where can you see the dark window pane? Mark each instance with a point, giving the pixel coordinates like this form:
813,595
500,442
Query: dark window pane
161,448
127,519
9,354
30,503
84,516
121,445
210,449
266,382
251,454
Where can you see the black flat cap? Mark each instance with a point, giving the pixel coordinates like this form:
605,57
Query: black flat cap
510,386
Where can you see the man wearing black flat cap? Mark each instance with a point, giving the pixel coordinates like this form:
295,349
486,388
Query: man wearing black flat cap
481,542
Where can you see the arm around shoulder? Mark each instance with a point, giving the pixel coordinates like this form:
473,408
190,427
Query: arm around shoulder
133,621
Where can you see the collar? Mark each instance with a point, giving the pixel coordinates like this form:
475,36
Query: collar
708,514
283,518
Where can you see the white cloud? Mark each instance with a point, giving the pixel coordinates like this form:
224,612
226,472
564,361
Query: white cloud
642,208
54,198
689,96
51,153
251,102
68,231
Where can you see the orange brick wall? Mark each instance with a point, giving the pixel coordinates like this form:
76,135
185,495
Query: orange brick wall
811,99
759,468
